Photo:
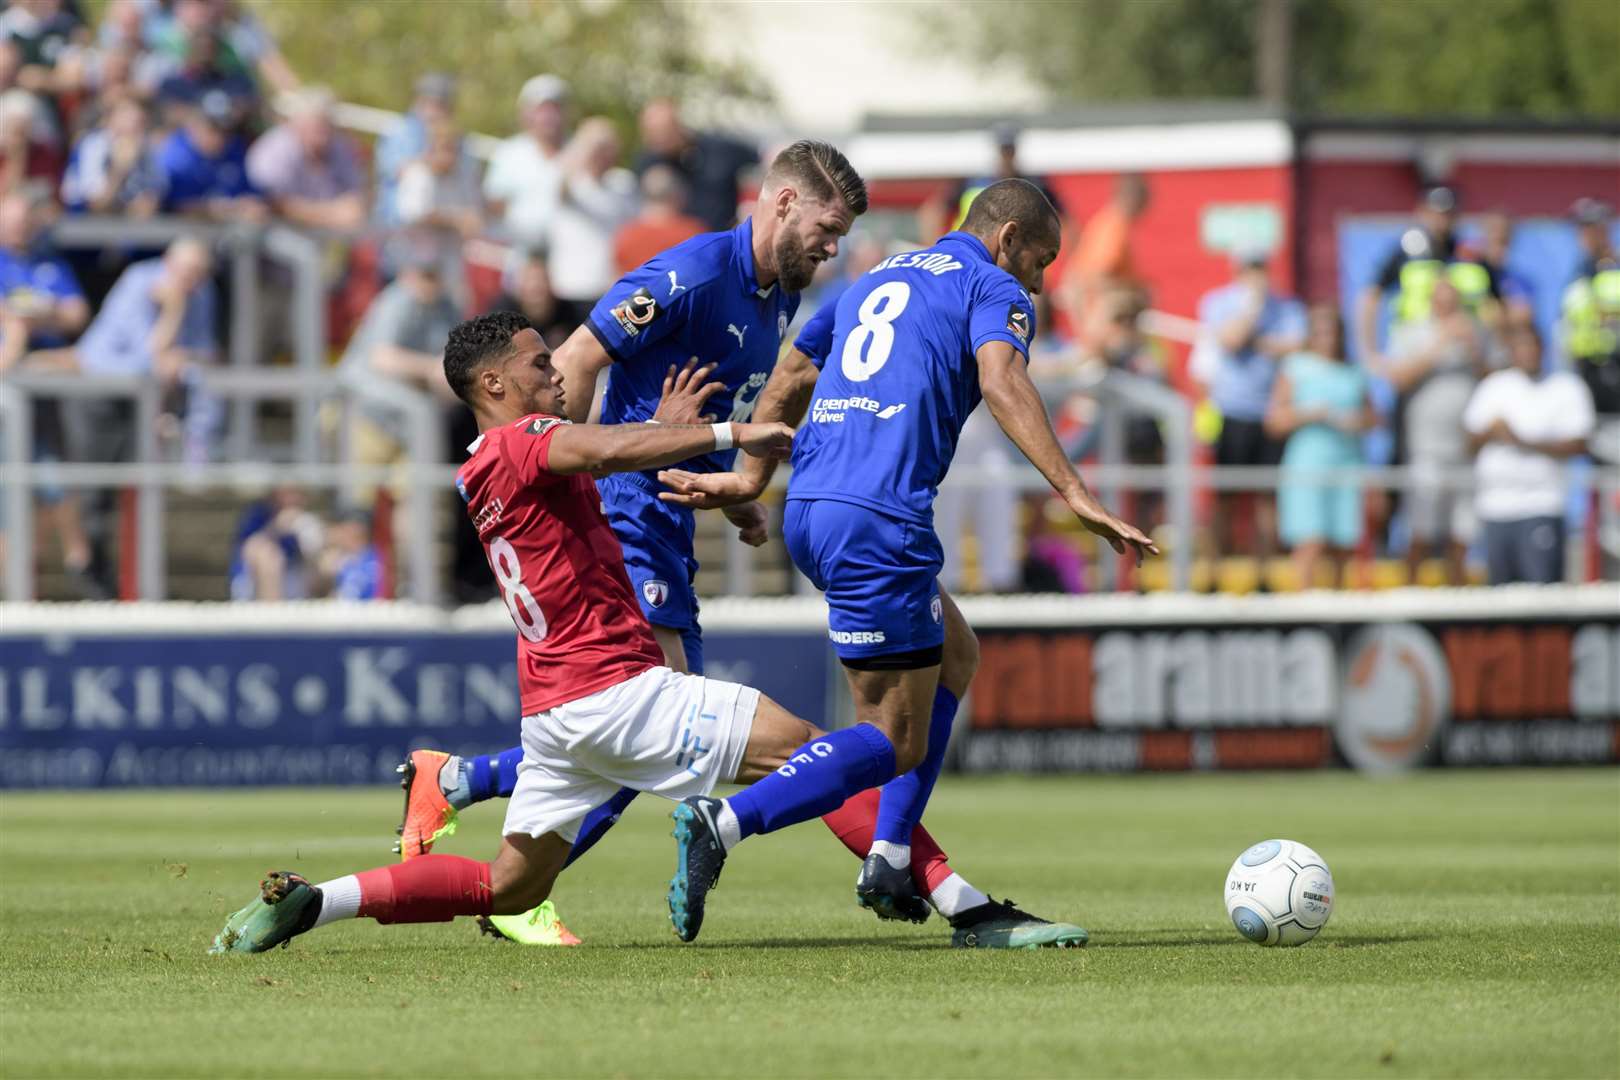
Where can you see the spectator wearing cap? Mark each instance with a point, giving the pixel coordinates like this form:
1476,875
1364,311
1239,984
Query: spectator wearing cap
1590,308
240,48
198,67
1250,328
114,168
950,213
309,170
710,164
401,340
1518,295
597,197
1426,252
406,140
350,567
439,204
204,165
524,181
661,223
1524,423
1434,363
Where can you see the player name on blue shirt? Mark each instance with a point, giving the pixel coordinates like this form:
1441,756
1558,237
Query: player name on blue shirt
698,299
899,375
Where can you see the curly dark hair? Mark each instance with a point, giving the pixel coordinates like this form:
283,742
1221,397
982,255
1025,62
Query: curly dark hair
475,344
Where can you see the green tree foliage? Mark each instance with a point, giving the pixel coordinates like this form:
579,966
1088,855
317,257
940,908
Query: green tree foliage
1401,57
614,53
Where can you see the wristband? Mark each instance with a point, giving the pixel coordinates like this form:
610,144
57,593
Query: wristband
722,436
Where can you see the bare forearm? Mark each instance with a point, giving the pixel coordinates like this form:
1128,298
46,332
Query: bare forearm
613,448
786,398
1367,321
1017,407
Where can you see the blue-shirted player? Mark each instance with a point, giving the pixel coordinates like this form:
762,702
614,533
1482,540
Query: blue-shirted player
914,345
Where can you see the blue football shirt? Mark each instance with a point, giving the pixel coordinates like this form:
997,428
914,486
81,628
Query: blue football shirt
698,299
899,375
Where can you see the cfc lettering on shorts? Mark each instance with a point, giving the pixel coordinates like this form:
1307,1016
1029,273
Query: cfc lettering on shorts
1018,323
819,749
635,311
856,637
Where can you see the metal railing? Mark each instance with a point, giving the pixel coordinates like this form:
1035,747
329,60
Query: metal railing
424,478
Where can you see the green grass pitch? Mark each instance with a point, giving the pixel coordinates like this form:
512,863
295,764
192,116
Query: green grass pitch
1477,933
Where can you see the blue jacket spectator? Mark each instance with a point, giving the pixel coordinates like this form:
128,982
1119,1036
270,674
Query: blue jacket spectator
114,168
205,166
158,318
407,139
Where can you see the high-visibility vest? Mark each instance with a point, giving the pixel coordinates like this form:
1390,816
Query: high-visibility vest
1591,311
1419,277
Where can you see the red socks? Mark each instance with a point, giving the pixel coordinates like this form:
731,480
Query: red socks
433,888
855,823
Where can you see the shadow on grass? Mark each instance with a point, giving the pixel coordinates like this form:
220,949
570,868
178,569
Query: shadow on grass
892,944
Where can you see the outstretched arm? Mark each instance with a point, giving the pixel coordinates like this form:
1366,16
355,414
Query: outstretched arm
784,400
611,448
1017,407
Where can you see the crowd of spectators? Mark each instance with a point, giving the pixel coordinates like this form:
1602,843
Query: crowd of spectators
186,108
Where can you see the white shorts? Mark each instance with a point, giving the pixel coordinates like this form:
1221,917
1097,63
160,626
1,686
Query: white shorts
661,732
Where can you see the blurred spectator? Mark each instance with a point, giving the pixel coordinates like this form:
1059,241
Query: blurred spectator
1524,424
988,509
407,139
158,321
439,203
205,166
1052,559
29,148
527,291
277,540
192,64
524,181
1434,364
945,211
1252,329
597,198
1426,253
218,44
1591,307
42,308
351,568
251,45
43,32
114,168
309,170
1518,296
401,339
1102,263
662,223
1319,405
709,163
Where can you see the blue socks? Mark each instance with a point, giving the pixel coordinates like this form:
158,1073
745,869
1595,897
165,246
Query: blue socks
816,780
900,804
493,775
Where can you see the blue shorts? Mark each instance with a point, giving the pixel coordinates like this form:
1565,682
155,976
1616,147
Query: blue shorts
657,542
880,576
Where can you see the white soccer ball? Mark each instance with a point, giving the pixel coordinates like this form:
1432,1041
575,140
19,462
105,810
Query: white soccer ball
1279,893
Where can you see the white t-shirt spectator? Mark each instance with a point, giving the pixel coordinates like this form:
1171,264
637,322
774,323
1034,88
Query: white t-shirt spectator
1513,483
587,217
529,183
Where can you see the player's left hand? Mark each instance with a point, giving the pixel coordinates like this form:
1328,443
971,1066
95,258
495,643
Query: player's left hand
705,491
685,393
752,521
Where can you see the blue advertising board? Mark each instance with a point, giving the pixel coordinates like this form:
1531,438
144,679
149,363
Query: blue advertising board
167,709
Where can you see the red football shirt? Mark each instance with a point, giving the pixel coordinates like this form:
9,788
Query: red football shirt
558,565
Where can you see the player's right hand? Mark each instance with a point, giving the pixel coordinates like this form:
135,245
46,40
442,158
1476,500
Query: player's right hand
685,393
705,491
1120,535
772,441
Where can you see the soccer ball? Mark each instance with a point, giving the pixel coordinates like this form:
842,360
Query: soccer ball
1279,893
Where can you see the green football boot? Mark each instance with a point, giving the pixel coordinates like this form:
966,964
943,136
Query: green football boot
999,924
286,906
537,927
